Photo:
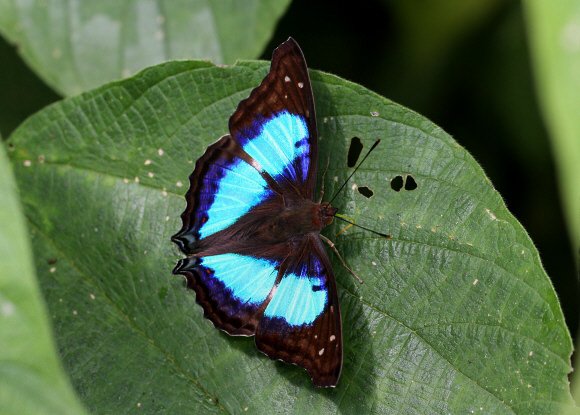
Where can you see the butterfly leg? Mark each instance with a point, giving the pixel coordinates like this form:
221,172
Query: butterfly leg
343,262
323,177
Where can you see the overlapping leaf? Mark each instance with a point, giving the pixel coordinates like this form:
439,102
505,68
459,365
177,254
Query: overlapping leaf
31,377
77,45
456,314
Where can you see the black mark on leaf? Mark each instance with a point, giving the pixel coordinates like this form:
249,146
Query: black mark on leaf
407,182
397,183
365,191
354,151
410,183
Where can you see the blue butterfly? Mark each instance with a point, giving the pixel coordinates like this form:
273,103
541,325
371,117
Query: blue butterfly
251,228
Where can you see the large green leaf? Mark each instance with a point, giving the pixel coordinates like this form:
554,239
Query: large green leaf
456,313
77,45
32,380
554,32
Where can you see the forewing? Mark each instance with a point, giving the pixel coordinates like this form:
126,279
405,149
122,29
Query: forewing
223,188
302,323
276,124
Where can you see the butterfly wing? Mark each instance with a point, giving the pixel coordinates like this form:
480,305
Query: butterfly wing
302,323
276,124
231,288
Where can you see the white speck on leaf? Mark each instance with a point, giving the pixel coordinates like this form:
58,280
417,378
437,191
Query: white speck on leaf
490,214
475,281
570,35
27,163
374,114
147,162
179,183
7,309
160,152
52,270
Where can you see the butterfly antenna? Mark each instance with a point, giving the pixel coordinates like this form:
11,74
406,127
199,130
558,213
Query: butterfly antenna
383,235
354,171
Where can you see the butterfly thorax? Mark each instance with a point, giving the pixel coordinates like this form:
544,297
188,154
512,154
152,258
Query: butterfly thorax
299,218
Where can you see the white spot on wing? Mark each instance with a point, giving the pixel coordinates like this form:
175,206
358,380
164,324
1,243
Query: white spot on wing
286,78
300,84
332,338
321,352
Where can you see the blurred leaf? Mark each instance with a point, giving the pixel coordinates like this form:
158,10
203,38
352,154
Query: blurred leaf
554,32
456,314
77,45
31,378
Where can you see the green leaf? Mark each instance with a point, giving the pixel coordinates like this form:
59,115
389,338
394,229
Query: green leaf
32,380
77,45
456,313
554,32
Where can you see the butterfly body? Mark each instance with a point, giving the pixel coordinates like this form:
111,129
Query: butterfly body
251,228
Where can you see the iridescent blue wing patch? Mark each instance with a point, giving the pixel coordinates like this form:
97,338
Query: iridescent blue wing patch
223,188
301,323
231,288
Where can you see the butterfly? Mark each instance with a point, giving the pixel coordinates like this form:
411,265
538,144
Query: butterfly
251,228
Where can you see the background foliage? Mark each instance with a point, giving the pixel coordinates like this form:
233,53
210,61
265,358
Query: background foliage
464,65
